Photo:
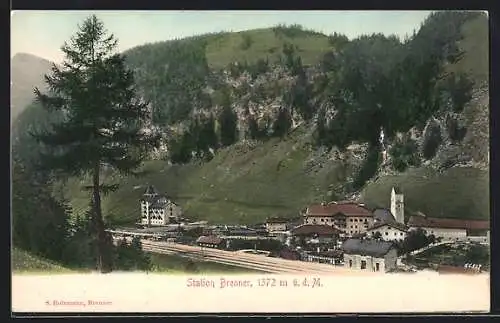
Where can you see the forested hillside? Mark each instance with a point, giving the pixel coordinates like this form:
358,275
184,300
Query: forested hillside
264,122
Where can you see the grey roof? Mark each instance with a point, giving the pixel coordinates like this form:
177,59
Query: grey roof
150,190
395,225
158,201
383,216
364,247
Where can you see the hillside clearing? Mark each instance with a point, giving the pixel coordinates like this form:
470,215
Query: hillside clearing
263,44
247,185
240,185
457,193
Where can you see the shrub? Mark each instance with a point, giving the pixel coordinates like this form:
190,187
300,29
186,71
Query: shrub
404,154
455,131
246,42
369,168
432,139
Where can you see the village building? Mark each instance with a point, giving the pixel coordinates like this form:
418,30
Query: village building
315,233
241,231
370,255
332,257
391,231
452,229
276,224
210,242
157,209
382,215
348,217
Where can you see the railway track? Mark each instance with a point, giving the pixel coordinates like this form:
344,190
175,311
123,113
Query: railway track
233,262
267,264
242,260
264,269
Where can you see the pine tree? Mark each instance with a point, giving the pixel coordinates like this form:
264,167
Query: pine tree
282,124
253,128
103,118
228,126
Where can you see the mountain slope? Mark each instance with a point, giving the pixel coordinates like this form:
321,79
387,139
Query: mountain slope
242,184
27,72
222,49
249,181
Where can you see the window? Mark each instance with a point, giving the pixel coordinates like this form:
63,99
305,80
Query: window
366,220
350,263
377,266
355,227
363,264
386,233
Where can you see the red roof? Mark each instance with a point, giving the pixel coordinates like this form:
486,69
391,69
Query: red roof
426,222
347,209
319,229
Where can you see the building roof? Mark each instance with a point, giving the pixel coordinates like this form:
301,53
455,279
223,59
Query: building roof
383,215
319,229
347,209
420,221
158,201
276,219
395,225
150,190
364,247
209,239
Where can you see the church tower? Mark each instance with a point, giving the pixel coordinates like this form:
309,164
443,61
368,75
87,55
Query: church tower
397,205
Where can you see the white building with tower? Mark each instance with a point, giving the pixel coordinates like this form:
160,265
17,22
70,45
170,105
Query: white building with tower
397,205
157,209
